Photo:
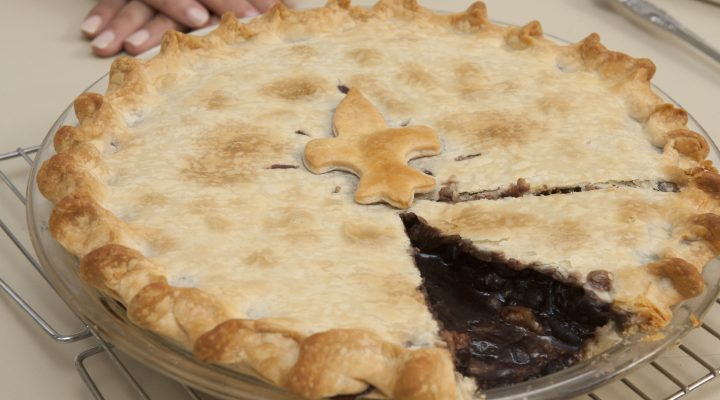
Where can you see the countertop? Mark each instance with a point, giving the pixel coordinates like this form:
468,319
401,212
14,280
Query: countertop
46,64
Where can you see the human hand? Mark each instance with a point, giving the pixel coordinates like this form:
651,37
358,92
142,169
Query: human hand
137,25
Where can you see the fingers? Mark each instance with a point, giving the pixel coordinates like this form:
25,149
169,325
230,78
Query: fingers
264,5
99,17
129,19
138,25
190,13
241,8
150,34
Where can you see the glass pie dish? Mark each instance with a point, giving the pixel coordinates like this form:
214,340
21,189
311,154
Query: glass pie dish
108,319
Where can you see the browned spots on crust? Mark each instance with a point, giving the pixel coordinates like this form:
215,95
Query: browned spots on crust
469,77
377,91
472,217
219,99
296,87
366,232
414,74
633,210
288,218
492,129
554,104
202,204
468,70
211,213
158,239
261,258
217,223
166,81
505,87
153,199
189,119
292,224
366,57
568,233
231,153
212,97
303,51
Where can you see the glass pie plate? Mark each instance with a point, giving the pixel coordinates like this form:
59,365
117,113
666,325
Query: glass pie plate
109,320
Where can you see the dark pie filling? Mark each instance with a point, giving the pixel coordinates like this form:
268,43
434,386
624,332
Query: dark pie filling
503,323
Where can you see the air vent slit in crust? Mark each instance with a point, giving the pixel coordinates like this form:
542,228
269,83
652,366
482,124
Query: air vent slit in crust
503,323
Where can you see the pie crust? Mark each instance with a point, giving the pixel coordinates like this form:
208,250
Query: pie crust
184,192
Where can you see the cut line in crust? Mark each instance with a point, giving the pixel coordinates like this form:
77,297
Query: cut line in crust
448,192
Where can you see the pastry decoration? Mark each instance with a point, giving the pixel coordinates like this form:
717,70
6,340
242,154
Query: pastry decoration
367,147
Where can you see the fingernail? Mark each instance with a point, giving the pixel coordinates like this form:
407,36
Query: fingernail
198,16
251,13
103,40
138,38
91,24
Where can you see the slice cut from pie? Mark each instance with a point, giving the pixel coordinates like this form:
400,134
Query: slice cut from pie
569,204
523,287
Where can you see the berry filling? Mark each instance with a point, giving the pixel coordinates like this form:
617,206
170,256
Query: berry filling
503,323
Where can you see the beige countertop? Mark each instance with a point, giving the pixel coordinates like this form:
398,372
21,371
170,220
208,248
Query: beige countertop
46,64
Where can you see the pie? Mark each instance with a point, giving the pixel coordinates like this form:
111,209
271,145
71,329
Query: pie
386,202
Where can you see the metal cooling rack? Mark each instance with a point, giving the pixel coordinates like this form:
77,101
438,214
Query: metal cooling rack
99,346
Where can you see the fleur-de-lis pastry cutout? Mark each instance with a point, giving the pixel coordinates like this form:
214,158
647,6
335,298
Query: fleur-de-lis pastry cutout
377,154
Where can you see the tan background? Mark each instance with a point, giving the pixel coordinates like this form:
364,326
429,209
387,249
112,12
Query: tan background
45,64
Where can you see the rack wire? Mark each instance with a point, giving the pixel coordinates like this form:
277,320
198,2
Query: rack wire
637,384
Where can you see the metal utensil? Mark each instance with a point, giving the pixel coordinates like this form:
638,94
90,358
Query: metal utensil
711,2
661,18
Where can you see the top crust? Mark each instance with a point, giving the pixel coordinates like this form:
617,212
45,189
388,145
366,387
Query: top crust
123,253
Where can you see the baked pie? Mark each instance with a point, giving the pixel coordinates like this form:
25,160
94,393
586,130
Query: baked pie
385,201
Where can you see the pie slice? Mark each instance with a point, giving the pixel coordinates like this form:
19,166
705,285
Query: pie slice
567,205
509,275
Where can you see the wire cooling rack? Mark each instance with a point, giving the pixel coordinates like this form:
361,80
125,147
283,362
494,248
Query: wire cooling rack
674,375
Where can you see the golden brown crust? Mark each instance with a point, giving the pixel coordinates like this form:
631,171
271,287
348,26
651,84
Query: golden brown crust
66,173
612,64
334,362
86,105
474,17
183,314
81,225
685,276
706,227
708,182
689,143
348,352
367,147
665,118
118,270
65,138
230,29
523,37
